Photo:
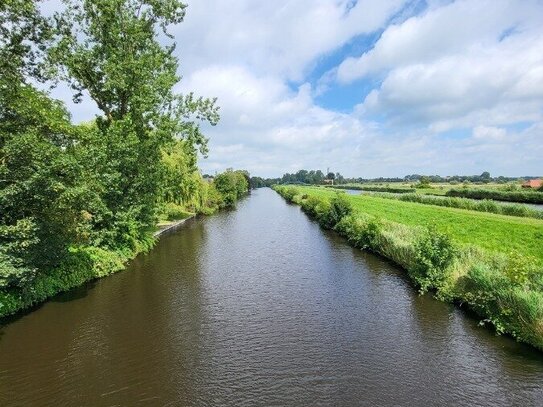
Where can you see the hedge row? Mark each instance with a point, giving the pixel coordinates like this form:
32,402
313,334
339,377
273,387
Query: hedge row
533,197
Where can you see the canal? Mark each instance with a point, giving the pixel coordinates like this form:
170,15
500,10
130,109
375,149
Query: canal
258,307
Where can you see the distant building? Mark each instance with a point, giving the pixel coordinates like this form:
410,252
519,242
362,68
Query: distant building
328,181
533,183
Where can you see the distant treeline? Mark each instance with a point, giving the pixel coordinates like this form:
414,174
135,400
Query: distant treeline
306,177
317,177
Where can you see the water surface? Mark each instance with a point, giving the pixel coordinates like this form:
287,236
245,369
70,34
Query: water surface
258,307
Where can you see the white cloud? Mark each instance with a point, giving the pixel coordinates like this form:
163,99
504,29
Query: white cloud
464,64
489,133
504,82
282,37
266,127
442,31
474,67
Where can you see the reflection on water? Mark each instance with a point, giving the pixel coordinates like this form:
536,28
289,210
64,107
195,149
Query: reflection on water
258,307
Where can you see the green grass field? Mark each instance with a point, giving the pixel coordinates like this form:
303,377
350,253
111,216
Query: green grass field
486,230
436,188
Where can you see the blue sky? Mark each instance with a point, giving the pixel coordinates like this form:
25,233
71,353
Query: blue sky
368,88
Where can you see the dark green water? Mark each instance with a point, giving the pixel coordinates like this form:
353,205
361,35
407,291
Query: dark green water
258,307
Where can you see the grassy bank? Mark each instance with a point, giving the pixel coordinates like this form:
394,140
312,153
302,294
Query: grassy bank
495,266
81,265
533,197
485,205
488,231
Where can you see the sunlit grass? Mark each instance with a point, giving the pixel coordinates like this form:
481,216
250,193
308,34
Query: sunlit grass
489,231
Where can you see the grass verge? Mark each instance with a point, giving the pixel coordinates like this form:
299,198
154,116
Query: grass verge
492,232
485,205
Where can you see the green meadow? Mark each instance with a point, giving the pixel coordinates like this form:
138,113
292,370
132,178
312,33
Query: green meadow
489,231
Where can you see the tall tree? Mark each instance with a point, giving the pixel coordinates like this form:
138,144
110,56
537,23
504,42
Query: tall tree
113,50
40,197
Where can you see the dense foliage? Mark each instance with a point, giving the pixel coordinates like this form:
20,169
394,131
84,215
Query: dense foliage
77,201
506,289
232,185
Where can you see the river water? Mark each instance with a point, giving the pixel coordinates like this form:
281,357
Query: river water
258,307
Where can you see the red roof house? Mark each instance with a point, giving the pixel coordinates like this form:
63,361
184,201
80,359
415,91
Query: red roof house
533,183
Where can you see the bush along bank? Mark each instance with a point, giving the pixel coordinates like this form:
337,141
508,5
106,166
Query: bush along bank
485,205
505,290
533,197
24,287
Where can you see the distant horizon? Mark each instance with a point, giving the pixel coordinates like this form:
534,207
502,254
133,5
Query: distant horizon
387,177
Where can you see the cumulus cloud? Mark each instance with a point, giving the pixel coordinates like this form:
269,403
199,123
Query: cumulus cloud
502,83
460,65
282,37
456,65
442,31
271,126
470,68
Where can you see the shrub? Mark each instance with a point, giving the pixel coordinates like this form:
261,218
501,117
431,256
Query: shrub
515,310
232,185
482,289
340,206
368,236
520,270
330,212
322,212
423,185
310,204
434,252
289,194
172,211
